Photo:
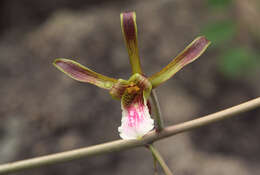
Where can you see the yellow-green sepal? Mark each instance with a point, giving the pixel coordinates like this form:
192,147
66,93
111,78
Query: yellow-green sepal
129,30
188,55
81,73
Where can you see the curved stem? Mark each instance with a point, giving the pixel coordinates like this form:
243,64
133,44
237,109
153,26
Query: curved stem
159,158
158,115
155,165
120,145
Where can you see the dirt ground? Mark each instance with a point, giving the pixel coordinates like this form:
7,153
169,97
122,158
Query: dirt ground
43,111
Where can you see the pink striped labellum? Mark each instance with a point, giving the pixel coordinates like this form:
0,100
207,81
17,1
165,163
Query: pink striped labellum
136,120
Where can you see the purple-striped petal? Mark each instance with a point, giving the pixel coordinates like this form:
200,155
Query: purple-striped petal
188,55
129,30
81,73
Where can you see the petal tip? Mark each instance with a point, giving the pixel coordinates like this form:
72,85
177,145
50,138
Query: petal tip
58,62
203,40
55,61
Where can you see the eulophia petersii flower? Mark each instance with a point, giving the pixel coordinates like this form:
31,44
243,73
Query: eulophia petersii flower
134,93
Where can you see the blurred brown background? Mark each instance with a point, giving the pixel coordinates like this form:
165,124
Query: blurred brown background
43,111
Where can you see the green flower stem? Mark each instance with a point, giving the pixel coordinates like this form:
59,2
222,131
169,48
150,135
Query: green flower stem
159,158
120,145
155,165
158,115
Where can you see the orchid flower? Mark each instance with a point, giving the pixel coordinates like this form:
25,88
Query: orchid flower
134,93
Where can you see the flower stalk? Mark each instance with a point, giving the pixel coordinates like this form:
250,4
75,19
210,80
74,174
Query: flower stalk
160,160
155,168
157,110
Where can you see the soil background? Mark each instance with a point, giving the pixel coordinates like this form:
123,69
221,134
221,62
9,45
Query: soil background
42,111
